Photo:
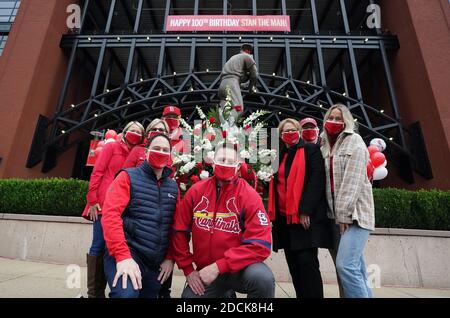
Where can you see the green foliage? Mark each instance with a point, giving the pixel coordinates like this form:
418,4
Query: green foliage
43,196
394,208
423,209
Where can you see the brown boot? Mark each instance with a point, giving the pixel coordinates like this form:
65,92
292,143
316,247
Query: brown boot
96,281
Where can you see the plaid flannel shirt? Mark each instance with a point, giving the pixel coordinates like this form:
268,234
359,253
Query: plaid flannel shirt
353,197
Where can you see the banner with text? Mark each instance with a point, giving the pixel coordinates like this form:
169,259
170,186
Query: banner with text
279,23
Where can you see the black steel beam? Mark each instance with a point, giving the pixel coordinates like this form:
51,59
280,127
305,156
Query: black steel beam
145,94
301,9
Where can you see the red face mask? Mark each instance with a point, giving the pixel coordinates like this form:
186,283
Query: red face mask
133,138
333,128
309,134
225,172
158,159
173,123
291,137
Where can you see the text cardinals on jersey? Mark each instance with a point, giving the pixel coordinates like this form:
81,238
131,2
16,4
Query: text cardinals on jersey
229,227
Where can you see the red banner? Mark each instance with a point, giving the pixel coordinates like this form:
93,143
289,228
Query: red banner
279,23
90,162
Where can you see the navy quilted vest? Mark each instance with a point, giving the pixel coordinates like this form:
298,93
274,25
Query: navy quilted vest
149,214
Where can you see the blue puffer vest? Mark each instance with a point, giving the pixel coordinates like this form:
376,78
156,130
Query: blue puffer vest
149,214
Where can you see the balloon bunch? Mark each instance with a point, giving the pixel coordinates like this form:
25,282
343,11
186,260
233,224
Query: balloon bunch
110,136
376,167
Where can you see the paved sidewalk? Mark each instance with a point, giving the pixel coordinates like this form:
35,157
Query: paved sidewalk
26,279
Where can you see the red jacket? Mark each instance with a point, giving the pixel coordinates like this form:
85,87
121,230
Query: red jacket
232,230
118,197
107,165
135,158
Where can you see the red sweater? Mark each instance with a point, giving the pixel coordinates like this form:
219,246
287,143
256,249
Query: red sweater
117,200
232,229
332,143
281,187
107,165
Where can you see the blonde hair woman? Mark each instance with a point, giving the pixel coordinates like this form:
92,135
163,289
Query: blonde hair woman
157,125
297,208
349,196
137,155
106,167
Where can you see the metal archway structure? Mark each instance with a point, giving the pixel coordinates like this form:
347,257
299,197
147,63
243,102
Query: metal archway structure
134,67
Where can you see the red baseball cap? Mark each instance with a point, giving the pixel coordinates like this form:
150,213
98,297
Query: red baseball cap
308,120
171,110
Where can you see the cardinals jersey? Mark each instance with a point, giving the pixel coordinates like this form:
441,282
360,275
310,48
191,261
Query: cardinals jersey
229,226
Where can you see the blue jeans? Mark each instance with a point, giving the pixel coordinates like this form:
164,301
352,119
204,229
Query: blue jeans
98,241
150,283
350,263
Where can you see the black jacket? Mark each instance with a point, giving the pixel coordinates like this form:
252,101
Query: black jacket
313,203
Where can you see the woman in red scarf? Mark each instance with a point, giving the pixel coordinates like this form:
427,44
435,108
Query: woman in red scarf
297,208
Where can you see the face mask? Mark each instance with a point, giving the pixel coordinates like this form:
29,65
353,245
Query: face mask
173,123
158,159
309,134
133,138
291,137
333,128
225,172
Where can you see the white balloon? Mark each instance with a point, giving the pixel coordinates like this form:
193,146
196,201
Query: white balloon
380,173
384,164
107,141
379,143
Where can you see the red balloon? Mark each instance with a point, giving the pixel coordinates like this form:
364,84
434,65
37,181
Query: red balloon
98,150
101,144
370,170
377,159
372,149
110,134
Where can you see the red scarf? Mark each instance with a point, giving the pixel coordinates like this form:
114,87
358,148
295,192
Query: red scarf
294,189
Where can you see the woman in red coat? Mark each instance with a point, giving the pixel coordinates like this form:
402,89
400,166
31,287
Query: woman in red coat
106,167
137,154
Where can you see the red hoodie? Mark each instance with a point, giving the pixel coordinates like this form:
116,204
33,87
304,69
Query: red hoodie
106,167
232,230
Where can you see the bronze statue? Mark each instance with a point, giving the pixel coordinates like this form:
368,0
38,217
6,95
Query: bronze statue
238,72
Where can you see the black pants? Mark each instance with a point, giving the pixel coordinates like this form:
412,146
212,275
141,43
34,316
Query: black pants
336,237
164,292
305,272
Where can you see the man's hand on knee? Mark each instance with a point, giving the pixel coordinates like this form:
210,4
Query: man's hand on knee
196,284
128,268
209,273
166,269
